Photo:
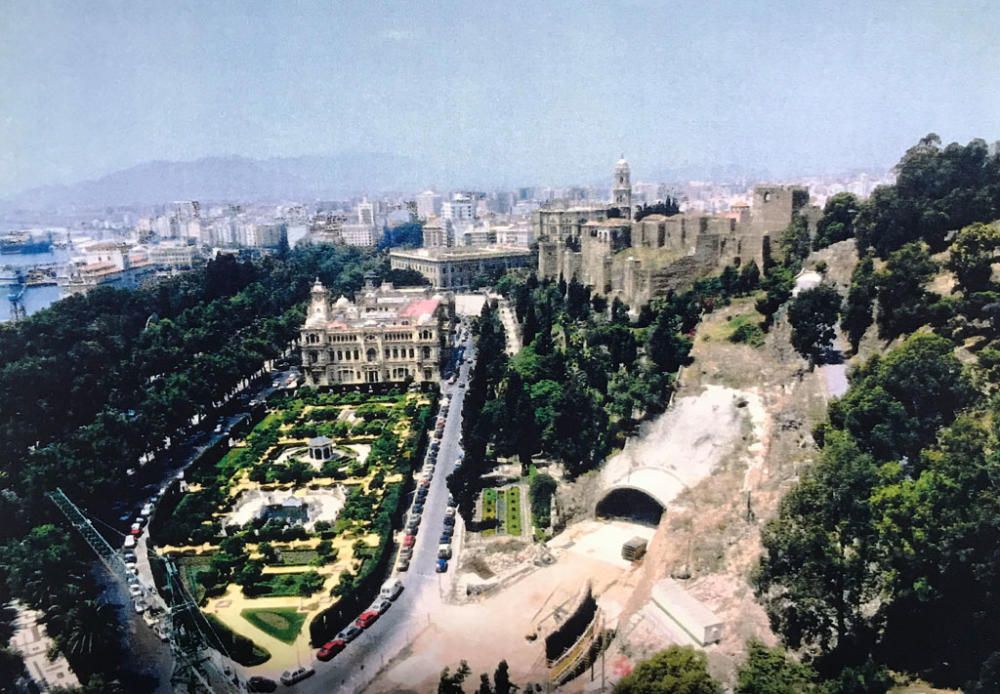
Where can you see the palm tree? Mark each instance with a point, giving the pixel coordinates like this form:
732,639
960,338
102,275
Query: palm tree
91,633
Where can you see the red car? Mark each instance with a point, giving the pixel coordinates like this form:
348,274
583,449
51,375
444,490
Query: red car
366,619
409,540
330,649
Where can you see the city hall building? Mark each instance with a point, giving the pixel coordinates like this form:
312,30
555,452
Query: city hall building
385,335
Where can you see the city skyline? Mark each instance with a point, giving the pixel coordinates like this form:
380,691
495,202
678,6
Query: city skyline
512,95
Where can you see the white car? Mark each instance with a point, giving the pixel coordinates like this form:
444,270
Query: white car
449,512
391,589
380,605
290,677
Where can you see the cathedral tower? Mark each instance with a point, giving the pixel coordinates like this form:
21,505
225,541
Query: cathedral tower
621,191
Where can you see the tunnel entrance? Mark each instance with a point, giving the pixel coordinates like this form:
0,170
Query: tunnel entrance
632,505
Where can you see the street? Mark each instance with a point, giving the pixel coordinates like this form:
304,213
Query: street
424,590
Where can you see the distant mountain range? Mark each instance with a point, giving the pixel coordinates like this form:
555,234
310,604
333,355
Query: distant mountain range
234,179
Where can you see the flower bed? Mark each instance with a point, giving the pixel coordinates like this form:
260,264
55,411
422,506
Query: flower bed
513,511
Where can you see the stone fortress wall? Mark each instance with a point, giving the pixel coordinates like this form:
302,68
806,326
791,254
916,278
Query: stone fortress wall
639,260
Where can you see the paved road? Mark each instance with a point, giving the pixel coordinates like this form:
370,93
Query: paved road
424,589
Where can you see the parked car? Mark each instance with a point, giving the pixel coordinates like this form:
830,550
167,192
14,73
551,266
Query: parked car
444,551
349,634
445,539
449,520
366,619
403,564
442,566
261,684
135,590
409,540
380,605
406,552
330,649
290,677
391,589
135,530
449,512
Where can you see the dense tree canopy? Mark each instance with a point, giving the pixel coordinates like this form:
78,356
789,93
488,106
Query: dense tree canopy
937,190
837,222
677,670
813,316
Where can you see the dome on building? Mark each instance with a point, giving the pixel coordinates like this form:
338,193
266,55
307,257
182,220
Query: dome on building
622,165
342,302
318,287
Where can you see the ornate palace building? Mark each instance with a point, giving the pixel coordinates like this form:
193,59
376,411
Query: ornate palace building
385,335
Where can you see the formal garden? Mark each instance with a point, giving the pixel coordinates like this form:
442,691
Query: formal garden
291,521
501,512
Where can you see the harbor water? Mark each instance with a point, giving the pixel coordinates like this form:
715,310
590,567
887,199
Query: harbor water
35,298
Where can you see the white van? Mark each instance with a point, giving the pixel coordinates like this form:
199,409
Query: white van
391,589
129,542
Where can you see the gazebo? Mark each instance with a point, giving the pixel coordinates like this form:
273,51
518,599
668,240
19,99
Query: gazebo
320,448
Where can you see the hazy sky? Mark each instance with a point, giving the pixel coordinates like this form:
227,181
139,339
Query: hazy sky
519,92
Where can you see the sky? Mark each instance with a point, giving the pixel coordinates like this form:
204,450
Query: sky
503,92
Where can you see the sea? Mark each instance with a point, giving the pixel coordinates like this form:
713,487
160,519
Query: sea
35,298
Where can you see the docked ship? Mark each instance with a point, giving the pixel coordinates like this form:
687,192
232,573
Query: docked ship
23,242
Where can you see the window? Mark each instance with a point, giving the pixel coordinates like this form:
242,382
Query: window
371,355
426,351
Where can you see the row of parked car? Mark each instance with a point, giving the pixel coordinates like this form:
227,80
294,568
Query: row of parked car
387,595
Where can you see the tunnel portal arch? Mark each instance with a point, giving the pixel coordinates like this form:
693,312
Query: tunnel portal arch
630,503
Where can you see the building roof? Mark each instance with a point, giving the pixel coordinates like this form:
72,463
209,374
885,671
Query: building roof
420,308
461,253
319,441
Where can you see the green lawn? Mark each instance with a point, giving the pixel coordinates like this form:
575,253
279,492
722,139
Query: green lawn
297,557
283,623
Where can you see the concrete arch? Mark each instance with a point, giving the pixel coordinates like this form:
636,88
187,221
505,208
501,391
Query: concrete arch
642,495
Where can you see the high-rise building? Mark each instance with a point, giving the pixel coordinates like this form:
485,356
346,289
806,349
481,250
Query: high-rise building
366,213
428,204
461,208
